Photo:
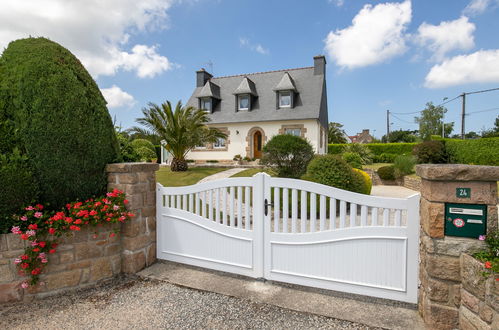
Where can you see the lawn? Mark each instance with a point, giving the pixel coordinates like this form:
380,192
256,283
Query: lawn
177,179
376,166
251,172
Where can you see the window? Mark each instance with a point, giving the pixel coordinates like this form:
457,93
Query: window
285,99
200,146
206,104
244,102
219,143
293,131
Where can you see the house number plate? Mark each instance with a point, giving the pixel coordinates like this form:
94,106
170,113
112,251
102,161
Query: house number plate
463,192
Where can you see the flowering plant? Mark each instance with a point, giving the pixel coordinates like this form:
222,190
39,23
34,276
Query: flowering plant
490,256
42,229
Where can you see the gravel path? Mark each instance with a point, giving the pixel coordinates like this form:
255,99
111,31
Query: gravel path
131,303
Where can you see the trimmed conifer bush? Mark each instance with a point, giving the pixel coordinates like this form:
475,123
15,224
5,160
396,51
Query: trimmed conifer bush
62,123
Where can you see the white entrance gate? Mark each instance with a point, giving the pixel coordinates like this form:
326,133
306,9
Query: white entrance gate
294,231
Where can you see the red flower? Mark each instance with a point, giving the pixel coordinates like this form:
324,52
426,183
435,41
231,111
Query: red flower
73,227
24,257
24,237
112,235
39,206
68,220
51,231
77,221
36,250
42,244
125,201
36,271
24,265
93,212
488,264
52,251
33,227
53,245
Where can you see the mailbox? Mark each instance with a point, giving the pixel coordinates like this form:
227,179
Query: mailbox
465,220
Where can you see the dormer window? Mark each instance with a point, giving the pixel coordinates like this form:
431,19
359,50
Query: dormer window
243,101
285,99
206,104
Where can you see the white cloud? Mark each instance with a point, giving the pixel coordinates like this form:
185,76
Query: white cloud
117,98
338,3
479,67
477,7
97,32
376,35
245,42
447,36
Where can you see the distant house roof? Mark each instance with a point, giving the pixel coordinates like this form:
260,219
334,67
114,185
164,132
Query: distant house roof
308,83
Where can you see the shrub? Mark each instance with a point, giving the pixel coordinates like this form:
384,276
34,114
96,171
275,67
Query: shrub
377,148
365,154
63,126
335,148
333,171
384,158
490,256
353,159
386,172
212,161
484,151
287,155
404,165
145,154
18,188
139,143
432,152
127,152
366,183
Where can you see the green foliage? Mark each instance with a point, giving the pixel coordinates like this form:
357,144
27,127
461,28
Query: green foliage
128,153
432,152
287,155
404,165
333,171
362,150
365,183
60,119
353,159
493,132
336,134
377,148
18,187
384,158
399,136
182,128
490,256
138,143
430,121
145,154
484,151
386,172
335,148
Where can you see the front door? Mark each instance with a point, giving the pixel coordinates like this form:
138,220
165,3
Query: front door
257,145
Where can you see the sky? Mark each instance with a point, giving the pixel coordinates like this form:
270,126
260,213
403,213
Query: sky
393,55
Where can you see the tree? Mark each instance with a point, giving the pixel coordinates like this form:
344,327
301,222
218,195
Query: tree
430,121
406,136
336,134
181,128
493,132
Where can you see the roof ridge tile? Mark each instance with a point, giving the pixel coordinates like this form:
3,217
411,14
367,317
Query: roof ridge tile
262,72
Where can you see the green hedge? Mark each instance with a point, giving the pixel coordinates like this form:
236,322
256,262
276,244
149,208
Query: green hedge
483,151
378,148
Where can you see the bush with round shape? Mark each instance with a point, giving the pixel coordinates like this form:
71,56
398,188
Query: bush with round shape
127,152
145,154
365,154
333,171
353,159
139,143
367,183
432,152
386,172
287,155
63,126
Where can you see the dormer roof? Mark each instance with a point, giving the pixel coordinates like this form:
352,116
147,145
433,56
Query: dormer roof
286,83
246,87
209,90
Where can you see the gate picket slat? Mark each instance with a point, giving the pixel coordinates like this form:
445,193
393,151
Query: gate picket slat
191,203
231,212
210,205
303,217
294,209
374,216
322,213
178,202
398,218
386,217
239,207
343,213
332,213
313,211
203,204
285,210
166,199
363,216
277,208
224,206
198,210
217,205
247,206
184,202
353,214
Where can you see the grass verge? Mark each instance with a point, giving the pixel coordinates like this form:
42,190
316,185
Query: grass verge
178,179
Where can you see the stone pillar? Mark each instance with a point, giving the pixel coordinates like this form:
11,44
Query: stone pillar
138,238
440,269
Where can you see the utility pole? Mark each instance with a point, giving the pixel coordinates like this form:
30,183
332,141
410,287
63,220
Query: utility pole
463,114
387,125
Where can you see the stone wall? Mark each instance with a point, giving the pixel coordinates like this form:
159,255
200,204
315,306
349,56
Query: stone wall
479,297
84,258
412,182
407,181
440,292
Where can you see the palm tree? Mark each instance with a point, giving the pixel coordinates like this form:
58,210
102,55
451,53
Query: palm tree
182,129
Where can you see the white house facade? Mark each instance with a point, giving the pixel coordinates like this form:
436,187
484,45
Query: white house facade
251,108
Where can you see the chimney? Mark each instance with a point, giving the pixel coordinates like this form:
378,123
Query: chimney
365,131
202,76
319,65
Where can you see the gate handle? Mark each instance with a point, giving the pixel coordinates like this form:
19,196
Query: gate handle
267,204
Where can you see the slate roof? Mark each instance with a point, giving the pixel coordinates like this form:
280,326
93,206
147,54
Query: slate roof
210,90
246,87
310,99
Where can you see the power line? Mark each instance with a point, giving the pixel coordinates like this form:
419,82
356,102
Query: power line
405,121
483,91
484,110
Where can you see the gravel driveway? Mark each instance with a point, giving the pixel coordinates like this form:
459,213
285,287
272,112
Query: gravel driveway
132,303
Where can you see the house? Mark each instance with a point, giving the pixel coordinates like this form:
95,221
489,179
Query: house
251,108
363,137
